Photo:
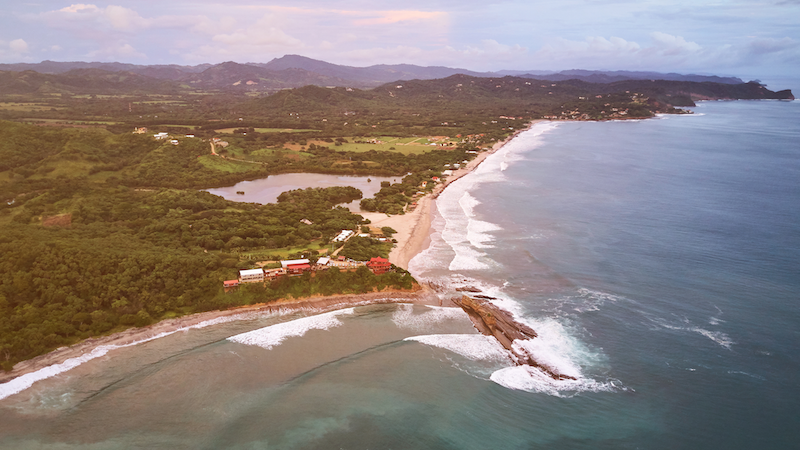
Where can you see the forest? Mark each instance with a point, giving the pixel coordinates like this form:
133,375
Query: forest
124,257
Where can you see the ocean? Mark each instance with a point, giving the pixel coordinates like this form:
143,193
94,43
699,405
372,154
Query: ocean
659,261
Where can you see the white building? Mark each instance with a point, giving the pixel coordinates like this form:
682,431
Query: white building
294,262
251,276
343,236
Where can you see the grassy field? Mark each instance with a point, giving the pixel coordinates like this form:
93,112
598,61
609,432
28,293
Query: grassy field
154,127
27,107
283,253
160,102
405,146
67,122
224,165
267,130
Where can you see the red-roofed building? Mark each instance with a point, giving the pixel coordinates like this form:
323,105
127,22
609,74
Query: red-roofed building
296,266
379,265
230,285
297,269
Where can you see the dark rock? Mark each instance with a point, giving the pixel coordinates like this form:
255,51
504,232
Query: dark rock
494,321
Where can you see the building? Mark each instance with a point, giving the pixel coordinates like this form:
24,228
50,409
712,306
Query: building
160,136
379,265
296,266
271,274
343,236
230,283
323,262
251,276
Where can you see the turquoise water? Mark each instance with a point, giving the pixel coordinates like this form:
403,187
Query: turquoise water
659,261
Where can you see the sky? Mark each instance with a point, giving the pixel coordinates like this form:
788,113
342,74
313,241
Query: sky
749,39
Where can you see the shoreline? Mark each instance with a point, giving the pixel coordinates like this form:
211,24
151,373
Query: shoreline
313,305
414,228
413,236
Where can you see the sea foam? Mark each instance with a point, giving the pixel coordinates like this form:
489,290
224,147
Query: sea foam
476,347
531,379
274,335
404,317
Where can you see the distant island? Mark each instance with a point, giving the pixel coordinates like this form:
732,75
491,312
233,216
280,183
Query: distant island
103,222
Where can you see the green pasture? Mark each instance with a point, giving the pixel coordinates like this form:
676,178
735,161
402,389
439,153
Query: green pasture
282,253
267,130
224,165
272,152
406,146
160,102
155,127
28,107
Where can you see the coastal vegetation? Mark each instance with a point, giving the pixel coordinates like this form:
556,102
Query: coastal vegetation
102,228
82,260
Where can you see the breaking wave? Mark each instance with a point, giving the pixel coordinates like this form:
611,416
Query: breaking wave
274,335
476,347
23,382
717,336
404,317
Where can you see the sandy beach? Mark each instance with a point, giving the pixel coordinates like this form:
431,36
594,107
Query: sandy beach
413,235
413,228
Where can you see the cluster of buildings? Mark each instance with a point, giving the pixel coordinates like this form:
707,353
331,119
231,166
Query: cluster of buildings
297,267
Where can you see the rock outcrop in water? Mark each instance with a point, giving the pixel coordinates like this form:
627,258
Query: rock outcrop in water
494,321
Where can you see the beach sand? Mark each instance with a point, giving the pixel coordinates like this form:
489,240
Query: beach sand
413,236
414,228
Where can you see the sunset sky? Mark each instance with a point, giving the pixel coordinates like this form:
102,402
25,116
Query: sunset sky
741,38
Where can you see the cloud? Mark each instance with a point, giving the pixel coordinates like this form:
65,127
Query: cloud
488,54
17,50
665,51
124,19
387,17
116,52
18,46
765,46
669,45
79,8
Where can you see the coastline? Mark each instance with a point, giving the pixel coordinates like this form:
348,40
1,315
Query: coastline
312,305
413,236
414,228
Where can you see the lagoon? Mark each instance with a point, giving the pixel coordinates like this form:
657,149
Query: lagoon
267,190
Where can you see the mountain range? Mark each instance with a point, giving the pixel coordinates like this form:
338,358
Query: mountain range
286,72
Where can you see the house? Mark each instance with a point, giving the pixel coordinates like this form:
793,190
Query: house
140,130
160,136
379,265
307,222
230,283
251,276
271,274
296,266
323,262
343,236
